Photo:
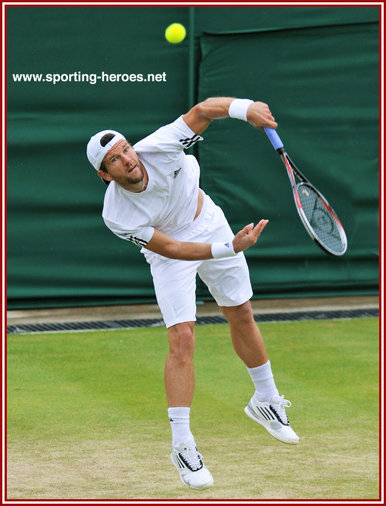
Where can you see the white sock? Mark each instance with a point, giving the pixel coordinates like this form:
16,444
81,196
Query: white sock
179,423
262,378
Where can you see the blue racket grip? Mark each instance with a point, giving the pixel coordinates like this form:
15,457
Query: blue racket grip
274,138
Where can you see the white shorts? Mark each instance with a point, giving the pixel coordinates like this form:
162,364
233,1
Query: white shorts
175,280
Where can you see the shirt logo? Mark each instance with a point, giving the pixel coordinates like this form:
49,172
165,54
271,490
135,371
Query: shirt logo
176,172
189,141
136,240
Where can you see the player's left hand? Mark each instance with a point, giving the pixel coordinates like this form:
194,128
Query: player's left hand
248,236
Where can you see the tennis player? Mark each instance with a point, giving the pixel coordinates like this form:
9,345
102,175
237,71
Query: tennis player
153,199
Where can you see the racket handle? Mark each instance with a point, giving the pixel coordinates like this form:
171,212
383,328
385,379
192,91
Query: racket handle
274,138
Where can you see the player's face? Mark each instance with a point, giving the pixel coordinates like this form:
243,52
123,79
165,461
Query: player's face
123,166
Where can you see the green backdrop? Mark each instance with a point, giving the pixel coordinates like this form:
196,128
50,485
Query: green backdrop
317,67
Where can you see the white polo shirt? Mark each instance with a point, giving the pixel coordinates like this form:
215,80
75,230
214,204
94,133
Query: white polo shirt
169,202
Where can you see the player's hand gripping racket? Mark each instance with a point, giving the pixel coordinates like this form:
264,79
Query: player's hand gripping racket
318,217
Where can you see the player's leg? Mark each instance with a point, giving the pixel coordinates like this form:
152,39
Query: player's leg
175,285
179,383
179,367
228,281
249,346
266,406
246,337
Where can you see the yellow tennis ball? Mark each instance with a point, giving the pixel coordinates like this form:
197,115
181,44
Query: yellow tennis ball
175,33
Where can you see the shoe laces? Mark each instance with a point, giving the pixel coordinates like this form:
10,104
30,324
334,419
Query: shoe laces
279,404
191,457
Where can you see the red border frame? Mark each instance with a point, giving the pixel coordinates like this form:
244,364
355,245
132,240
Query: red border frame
3,216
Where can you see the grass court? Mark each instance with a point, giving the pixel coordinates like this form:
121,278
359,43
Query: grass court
87,415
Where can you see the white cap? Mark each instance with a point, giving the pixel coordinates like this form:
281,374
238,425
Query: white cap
96,152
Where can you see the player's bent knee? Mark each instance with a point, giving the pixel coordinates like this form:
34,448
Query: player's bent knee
239,314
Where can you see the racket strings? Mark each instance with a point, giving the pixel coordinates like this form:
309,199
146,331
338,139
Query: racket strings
321,219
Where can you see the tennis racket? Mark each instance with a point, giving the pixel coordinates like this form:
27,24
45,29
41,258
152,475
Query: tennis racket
316,214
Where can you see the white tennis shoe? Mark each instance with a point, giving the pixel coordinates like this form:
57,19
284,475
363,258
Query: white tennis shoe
272,416
191,467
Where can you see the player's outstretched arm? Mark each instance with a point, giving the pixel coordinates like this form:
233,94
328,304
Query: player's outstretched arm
171,248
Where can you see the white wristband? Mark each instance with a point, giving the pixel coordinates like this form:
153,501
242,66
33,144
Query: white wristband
239,107
222,250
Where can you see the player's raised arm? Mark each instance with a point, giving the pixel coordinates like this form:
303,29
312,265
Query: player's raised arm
257,114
